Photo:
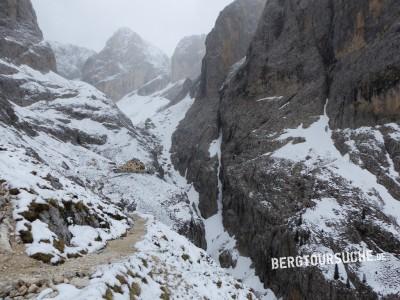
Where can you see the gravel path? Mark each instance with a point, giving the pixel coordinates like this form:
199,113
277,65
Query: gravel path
17,269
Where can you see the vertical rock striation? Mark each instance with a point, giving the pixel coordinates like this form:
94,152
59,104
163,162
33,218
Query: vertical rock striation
225,45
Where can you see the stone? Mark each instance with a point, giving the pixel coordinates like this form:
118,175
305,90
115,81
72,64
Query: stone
33,288
132,166
22,290
58,279
226,260
79,282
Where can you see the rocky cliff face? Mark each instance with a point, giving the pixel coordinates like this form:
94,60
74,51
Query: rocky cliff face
309,126
225,45
21,39
126,63
187,58
70,59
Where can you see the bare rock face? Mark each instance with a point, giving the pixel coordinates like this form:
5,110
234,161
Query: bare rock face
307,56
21,39
126,63
187,58
18,19
225,45
155,85
70,59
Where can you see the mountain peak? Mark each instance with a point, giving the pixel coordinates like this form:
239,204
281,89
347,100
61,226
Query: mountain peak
126,63
124,35
187,57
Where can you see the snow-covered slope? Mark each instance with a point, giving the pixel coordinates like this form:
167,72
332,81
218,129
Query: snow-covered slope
162,121
60,146
58,141
165,266
172,202
70,59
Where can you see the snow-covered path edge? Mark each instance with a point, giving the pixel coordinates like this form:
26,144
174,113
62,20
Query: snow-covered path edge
163,265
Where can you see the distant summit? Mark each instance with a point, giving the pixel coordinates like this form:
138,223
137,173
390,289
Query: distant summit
187,58
126,63
70,59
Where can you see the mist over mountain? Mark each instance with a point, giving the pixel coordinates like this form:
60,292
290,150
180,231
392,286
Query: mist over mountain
126,63
70,59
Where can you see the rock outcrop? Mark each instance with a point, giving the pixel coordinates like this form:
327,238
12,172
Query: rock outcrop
225,45
187,58
70,59
285,158
310,110
125,64
131,166
21,39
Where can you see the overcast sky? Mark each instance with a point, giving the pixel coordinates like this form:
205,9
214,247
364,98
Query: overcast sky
90,23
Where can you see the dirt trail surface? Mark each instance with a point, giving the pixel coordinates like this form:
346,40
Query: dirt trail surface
17,267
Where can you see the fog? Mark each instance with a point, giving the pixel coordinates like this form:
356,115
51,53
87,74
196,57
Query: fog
90,23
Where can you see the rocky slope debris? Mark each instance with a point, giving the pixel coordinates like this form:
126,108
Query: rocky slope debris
126,63
187,58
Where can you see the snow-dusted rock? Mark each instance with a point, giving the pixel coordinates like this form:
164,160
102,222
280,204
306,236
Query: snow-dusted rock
166,266
70,59
21,39
58,141
126,63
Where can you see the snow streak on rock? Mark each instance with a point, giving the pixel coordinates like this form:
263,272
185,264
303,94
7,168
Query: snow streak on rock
328,218
219,240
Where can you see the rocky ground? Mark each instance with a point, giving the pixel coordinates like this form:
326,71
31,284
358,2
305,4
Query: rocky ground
22,276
